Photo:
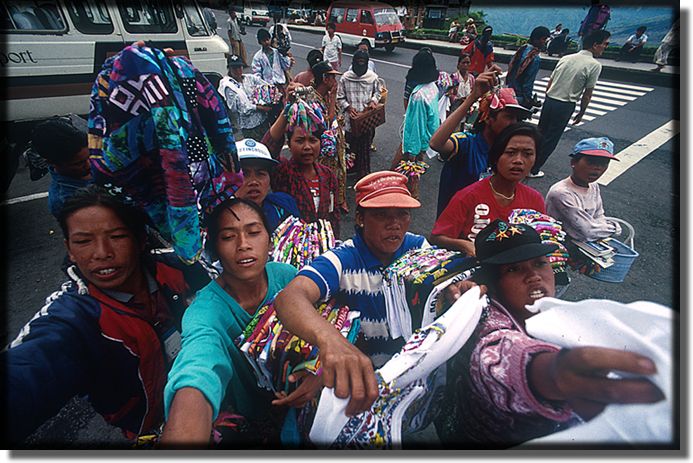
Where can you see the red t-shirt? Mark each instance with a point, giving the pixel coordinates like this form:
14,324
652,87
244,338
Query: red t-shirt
474,207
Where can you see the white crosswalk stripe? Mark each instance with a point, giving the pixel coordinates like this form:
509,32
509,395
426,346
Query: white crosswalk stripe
607,96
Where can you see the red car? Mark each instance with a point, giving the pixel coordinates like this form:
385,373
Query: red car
375,21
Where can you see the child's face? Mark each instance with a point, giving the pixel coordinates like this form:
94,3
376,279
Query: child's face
304,146
588,169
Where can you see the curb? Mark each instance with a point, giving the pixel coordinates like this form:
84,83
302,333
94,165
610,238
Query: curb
635,76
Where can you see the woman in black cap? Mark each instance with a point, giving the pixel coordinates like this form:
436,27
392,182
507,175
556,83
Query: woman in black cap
505,387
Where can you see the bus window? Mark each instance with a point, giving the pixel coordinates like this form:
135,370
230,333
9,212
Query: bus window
147,16
90,17
28,15
352,15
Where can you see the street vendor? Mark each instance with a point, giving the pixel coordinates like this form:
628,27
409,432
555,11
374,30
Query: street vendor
353,274
210,374
536,388
112,330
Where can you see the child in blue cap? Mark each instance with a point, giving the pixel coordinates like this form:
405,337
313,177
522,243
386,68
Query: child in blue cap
576,200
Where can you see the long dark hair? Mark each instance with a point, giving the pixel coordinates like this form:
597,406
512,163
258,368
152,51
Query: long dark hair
502,140
213,222
423,68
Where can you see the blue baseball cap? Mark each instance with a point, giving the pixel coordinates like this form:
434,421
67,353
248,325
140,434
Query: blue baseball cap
599,146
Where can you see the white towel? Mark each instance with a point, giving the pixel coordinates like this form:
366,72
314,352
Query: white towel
641,327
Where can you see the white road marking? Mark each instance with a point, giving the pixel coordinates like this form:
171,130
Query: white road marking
599,86
614,95
23,199
601,99
620,85
614,84
615,90
349,54
638,150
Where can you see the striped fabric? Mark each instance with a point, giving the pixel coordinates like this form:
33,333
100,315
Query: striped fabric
353,275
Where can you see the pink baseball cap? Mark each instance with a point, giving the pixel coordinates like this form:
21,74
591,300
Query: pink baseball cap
384,189
504,99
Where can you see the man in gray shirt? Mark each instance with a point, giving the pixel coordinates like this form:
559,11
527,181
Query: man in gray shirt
573,80
237,47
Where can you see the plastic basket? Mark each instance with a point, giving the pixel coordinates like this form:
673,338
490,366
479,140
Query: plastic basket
623,259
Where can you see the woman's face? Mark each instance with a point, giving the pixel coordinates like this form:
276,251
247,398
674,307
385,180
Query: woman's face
517,159
104,249
304,146
463,64
384,230
256,184
522,283
242,243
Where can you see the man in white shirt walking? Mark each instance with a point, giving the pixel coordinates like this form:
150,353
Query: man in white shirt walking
573,80
332,47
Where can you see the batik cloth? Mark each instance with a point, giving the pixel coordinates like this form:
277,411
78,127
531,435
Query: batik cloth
297,243
160,134
409,377
550,230
489,402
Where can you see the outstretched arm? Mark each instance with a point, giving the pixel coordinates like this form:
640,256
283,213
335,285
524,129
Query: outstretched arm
344,367
190,421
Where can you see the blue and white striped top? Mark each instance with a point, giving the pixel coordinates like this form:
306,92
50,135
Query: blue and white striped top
353,275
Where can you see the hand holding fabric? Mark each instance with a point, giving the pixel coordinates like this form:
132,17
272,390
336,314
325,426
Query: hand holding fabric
349,371
580,376
310,386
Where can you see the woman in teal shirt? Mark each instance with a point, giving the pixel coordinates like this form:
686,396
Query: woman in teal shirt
210,373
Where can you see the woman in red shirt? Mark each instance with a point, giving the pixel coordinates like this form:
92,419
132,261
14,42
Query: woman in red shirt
471,209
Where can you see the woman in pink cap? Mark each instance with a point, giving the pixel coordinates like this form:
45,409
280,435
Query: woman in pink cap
353,274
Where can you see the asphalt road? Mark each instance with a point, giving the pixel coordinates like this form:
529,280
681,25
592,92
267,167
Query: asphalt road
647,196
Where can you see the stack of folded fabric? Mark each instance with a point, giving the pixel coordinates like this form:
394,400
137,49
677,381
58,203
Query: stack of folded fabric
274,353
413,283
549,229
297,243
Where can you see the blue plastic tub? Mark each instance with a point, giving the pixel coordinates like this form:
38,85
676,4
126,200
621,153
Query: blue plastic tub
623,260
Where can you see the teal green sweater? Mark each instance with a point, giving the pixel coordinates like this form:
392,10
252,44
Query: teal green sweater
209,361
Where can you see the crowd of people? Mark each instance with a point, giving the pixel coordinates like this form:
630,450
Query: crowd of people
150,339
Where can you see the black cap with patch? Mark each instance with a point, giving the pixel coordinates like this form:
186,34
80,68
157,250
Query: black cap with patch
504,243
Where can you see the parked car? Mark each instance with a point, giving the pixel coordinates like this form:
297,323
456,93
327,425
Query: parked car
255,14
375,21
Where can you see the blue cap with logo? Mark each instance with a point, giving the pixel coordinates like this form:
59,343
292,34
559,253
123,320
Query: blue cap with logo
599,146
